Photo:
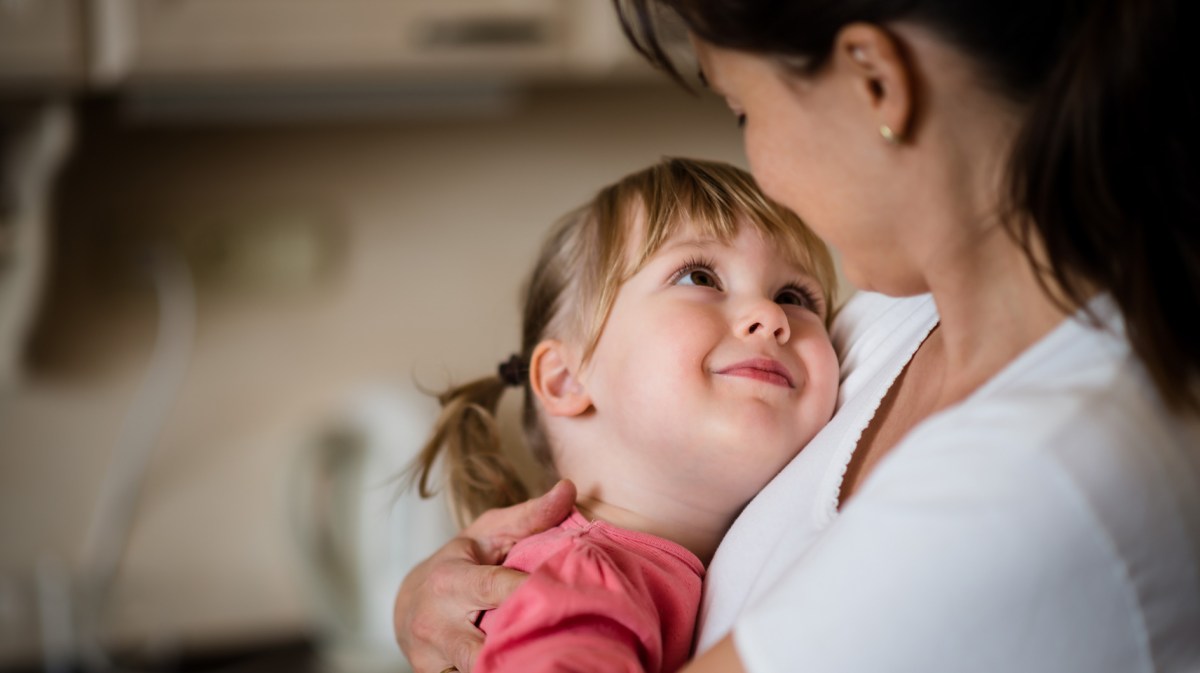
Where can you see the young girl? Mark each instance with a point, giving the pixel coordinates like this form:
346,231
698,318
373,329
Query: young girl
674,357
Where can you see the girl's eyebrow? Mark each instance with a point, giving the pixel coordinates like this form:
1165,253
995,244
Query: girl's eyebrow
704,242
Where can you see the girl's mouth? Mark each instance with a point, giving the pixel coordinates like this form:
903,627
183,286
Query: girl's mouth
761,369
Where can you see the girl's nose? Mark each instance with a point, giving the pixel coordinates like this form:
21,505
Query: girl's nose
766,319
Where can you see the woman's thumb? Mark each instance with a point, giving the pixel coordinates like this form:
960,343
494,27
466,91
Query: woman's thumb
497,530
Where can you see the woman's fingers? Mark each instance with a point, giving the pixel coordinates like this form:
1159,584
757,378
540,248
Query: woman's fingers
438,600
464,652
497,530
460,579
463,589
430,616
488,586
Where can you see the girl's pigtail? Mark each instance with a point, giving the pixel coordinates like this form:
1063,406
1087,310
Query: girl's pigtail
478,474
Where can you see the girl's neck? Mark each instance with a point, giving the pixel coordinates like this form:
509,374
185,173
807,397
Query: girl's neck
698,532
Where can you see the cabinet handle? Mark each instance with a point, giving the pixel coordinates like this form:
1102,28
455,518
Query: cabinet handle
473,32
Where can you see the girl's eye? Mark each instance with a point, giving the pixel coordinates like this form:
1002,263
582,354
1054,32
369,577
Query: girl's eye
697,274
699,278
796,296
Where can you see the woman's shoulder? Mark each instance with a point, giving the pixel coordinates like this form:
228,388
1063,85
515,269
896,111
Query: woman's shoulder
1069,465
1023,546
1053,516
866,311
1079,403
1029,530
875,328
1081,385
1107,443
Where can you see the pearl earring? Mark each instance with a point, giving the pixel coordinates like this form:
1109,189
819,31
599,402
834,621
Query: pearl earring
889,135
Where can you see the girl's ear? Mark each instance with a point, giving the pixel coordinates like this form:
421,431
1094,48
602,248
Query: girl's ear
884,76
552,376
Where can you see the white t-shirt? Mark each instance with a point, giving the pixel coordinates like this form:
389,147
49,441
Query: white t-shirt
1050,522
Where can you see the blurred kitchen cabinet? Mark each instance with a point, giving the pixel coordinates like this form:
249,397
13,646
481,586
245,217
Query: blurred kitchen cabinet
112,44
41,45
180,40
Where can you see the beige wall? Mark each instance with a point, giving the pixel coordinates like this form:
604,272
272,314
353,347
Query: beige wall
433,224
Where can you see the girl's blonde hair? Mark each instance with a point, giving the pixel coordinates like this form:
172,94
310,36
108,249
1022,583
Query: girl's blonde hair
580,269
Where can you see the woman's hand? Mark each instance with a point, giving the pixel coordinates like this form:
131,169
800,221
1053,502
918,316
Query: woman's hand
437,603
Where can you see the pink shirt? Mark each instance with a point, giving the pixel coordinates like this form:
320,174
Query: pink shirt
598,598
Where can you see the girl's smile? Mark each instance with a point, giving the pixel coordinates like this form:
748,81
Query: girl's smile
761,369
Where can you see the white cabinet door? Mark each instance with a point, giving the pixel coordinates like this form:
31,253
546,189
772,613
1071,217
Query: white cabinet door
244,39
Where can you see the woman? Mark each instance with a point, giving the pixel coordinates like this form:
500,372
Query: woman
1012,479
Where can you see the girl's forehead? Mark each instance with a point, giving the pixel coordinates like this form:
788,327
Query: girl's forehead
689,233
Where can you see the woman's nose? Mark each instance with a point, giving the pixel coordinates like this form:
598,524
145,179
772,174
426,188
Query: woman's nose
766,319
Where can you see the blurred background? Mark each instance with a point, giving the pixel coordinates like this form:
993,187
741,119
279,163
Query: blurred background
236,237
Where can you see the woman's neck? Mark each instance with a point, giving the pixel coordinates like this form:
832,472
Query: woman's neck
991,304
992,308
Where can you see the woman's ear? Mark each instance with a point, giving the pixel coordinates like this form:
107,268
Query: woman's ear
553,377
883,76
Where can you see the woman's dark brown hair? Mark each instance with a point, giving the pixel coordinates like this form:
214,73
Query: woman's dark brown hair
1104,173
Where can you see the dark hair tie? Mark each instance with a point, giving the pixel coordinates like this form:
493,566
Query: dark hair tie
513,371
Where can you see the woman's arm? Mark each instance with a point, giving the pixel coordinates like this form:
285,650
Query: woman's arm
436,605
